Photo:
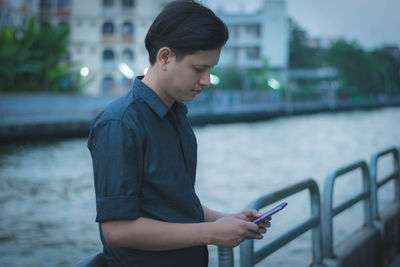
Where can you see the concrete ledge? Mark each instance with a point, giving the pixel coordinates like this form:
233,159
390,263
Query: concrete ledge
388,225
361,249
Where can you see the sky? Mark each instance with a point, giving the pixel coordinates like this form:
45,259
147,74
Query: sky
372,23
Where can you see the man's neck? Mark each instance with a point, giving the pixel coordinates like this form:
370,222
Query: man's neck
152,80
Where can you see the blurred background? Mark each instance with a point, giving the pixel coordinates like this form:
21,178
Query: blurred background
335,65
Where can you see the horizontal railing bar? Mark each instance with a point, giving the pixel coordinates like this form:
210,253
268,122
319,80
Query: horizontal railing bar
352,167
266,250
387,179
349,203
386,152
271,198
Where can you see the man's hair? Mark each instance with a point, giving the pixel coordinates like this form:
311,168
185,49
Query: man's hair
185,27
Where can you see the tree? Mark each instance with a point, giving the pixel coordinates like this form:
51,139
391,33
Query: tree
388,71
230,78
33,59
358,72
301,54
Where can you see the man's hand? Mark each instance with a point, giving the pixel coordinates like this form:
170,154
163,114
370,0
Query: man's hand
251,215
231,230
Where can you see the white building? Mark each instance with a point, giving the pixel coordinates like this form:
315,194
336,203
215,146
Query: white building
255,36
107,36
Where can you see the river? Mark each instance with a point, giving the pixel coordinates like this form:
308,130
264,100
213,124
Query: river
47,198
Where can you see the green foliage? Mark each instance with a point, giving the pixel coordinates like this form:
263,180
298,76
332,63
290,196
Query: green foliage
388,71
301,55
230,78
33,59
365,73
355,65
234,78
362,73
257,79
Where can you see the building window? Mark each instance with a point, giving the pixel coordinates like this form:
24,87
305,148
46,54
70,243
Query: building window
128,55
63,7
108,55
128,3
108,59
107,85
108,32
108,3
253,30
253,53
45,5
108,28
127,32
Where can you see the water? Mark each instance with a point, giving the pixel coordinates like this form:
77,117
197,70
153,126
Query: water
47,198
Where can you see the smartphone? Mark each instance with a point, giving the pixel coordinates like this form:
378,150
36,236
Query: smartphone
270,212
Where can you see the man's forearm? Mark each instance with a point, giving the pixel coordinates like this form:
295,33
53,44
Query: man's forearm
149,234
212,215
153,235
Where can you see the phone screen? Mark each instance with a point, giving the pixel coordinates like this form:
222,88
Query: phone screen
270,212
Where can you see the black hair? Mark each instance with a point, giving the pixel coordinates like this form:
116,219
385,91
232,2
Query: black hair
185,27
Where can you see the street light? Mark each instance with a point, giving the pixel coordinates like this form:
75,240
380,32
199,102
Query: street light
84,71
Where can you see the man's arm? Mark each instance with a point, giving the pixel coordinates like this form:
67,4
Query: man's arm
212,215
153,235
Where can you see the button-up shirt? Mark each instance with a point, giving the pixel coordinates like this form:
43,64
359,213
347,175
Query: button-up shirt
144,161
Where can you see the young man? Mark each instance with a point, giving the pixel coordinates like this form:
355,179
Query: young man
144,153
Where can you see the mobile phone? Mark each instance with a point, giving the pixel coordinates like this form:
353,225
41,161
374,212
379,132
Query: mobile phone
270,212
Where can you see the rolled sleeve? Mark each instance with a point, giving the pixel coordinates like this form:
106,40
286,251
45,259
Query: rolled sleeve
117,168
116,208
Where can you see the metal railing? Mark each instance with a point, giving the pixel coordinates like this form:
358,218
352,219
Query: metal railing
249,257
377,184
329,211
322,226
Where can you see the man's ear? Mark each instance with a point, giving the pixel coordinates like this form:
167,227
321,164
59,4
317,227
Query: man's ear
164,57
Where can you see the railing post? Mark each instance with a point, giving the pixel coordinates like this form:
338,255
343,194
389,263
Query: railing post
249,257
329,211
397,180
247,253
368,203
225,257
316,232
327,231
373,168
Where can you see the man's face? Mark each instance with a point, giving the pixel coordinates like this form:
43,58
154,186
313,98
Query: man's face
187,77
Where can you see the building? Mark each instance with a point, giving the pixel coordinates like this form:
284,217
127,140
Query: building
107,36
255,36
15,13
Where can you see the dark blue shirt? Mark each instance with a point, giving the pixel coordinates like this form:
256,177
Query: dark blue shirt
144,161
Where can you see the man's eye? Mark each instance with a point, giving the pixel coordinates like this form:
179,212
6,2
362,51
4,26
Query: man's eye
198,70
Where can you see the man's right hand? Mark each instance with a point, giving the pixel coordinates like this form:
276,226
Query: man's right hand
229,231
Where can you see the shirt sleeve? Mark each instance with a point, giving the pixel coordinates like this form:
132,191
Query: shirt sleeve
117,167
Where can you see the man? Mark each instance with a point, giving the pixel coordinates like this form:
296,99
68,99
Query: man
144,153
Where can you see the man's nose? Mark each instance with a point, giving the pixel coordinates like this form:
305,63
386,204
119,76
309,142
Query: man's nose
205,79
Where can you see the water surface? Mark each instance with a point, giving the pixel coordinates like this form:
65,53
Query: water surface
47,197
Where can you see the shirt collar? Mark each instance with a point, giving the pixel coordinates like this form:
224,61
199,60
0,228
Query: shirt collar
150,97
153,100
